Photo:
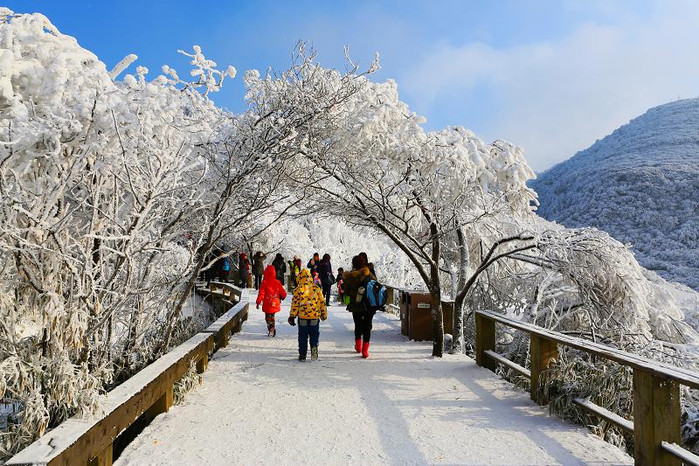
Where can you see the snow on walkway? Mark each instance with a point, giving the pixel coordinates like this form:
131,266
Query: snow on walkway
259,405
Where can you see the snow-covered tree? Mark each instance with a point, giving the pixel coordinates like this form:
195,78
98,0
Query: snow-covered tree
99,181
373,164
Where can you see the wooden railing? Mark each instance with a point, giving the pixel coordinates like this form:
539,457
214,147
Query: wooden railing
656,395
222,288
79,441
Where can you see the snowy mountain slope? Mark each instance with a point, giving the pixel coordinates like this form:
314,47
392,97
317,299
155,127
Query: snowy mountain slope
640,184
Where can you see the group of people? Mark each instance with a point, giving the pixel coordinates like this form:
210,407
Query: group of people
322,273
224,268
245,275
258,267
311,296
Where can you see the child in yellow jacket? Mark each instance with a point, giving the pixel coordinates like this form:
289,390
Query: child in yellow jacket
308,304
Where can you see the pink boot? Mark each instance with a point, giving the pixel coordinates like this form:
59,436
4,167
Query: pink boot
358,345
365,350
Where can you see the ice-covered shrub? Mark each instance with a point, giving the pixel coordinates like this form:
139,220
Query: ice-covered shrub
98,181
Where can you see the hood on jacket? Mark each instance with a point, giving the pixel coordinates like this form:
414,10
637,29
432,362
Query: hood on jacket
270,273
356,275
304,278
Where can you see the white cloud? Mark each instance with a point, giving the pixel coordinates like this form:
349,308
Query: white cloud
556,98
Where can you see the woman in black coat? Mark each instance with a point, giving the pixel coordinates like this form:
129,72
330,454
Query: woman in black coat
280,267
325,272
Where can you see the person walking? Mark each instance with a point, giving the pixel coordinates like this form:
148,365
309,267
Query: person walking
258,267
365,258
294,269
308,305
243,269
325,271
224,266
280,267
313,264
270,295
355,287
340,286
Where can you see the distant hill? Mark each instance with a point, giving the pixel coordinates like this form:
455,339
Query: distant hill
640,184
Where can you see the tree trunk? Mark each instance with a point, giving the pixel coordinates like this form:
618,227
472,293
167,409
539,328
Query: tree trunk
437,325
458,343
435,287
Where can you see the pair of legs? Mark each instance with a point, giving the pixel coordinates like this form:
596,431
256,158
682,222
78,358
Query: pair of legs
326,292
271,328
362,331
308,328
362,325
258,280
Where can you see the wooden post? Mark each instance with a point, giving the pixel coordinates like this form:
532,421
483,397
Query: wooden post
390,295
485,340
542,352
103,459
237,325
221,340
162,404
202,364
656,414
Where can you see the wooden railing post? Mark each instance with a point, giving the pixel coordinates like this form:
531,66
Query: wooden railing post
485,340
202,364
221,339
238,327
162,404
105,458
656,414
542,351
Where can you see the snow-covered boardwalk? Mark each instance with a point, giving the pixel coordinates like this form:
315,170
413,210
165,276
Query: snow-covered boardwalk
259,405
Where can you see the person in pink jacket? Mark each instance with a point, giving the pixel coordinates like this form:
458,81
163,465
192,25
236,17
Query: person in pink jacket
270,295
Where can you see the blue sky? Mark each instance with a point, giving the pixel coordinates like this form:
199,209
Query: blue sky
552,76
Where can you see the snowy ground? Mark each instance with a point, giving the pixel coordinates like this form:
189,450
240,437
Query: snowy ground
259,405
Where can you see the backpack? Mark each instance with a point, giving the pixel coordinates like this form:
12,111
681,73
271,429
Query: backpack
375,295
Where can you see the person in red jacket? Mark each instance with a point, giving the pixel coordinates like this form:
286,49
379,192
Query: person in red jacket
271,294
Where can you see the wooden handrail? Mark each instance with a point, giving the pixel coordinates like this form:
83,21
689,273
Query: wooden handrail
656,424
687,457
604,413
147,393
231,289
507,363
691,379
